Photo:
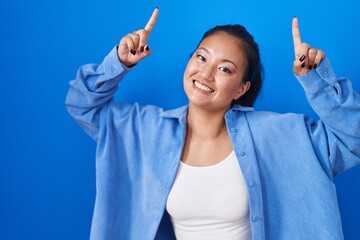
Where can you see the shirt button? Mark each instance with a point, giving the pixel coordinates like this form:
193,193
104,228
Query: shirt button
233,130
242,153
252,183
325,74
255,218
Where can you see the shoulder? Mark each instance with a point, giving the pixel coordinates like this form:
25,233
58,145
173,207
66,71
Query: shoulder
265,117
149,113
274,119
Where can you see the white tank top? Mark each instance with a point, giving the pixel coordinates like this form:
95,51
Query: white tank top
210,202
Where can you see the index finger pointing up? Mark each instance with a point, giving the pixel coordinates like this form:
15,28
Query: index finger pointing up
296,35
151,23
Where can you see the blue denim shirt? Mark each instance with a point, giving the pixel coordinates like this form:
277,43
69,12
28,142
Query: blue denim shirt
288,160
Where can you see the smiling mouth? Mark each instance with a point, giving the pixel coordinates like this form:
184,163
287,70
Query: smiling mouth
203,87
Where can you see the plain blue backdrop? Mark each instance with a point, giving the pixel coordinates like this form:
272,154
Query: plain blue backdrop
47,163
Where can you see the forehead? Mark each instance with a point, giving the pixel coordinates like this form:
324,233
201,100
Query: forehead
224,45
223,38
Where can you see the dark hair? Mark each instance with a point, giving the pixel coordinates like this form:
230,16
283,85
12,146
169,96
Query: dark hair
254,70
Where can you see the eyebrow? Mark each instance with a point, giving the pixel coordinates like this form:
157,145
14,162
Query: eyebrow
223,60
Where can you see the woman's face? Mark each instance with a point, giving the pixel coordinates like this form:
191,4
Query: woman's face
214,73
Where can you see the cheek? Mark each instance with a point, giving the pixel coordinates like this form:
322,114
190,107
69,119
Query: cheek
231,86
187,73
191,68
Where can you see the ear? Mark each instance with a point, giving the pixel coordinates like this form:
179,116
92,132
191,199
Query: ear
242,90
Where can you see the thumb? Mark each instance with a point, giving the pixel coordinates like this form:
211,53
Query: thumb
299,66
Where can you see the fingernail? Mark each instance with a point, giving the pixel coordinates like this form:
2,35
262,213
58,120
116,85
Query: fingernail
310,67
147,48
302,58
132,52
295,16
315,66
141,48
303,65
157,7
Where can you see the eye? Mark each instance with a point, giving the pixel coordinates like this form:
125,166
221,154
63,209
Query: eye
225,69
201,57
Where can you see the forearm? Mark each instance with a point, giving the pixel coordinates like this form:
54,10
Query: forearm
338,107
93,89
333,99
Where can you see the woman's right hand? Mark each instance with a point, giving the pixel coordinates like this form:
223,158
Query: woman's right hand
133,47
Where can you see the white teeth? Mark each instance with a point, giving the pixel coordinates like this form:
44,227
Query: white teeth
202,87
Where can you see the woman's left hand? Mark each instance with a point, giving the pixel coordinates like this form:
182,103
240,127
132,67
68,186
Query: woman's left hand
306,57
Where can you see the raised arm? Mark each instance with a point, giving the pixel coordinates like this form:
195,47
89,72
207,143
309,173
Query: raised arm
92,91
334,101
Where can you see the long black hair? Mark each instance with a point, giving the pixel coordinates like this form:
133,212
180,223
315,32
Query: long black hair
254,69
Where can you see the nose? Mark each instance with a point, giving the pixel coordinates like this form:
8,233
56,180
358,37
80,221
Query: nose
207,72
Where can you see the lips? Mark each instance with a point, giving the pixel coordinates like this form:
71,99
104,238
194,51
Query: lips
203,87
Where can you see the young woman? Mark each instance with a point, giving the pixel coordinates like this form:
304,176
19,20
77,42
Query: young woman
217,169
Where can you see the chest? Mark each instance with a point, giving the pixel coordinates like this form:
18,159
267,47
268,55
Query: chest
207,152
210,200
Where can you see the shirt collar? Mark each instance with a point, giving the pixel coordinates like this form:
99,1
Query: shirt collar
181,112
240,108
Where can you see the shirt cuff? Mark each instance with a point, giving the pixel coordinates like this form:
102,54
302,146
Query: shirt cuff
318,79
112,71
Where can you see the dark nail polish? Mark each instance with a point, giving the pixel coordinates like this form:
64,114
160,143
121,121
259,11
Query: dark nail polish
141,49
315,66
310,67
147,48
132,52
302,58
303,65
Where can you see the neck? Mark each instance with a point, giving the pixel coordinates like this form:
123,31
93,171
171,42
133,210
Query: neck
204,124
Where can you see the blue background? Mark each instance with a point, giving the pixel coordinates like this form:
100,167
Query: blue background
47,167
